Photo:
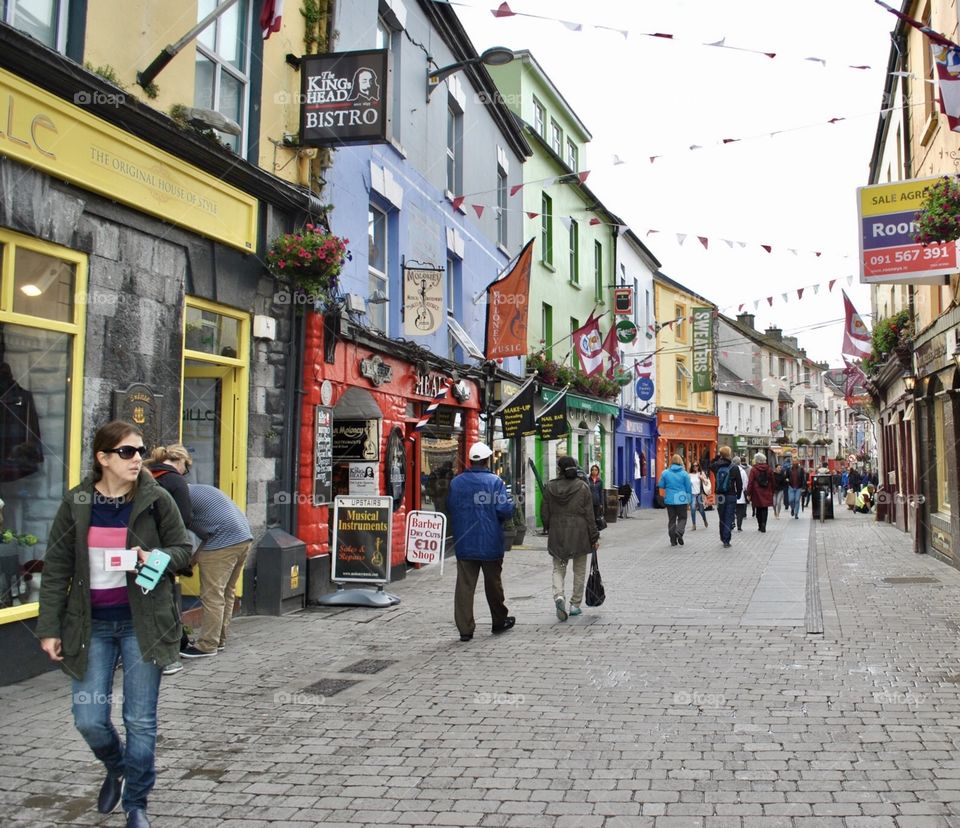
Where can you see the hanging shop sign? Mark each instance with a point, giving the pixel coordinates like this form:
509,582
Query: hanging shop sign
518,416
423,307
644,388
376,370
888,252
702,346
554,424
322,455
396,466
343,98
361,539
355,440
138,404
626,331
623,301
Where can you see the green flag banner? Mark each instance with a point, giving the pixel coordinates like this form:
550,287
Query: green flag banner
702,348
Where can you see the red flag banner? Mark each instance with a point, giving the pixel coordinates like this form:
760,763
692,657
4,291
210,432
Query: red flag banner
613,351
854,379
856,338
508,302
589,347
271,17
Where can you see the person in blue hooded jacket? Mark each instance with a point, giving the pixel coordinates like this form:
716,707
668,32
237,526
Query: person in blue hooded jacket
678,494
479,505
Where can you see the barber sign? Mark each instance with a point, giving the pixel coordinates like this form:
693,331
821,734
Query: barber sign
426,537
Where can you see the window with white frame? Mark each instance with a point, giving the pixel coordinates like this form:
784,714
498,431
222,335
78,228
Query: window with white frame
573,156
546,229
454,146
598,271
574,252
683,381
501,206
539,118
45,20
389,38
377,284
739,416
453,285
556,138
728,416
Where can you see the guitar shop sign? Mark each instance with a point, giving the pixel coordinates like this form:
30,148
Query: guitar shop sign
343,98
422,301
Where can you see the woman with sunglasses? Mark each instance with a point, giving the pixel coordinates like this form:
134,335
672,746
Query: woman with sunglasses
91,615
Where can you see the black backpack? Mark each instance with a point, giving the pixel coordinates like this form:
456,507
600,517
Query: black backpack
763,479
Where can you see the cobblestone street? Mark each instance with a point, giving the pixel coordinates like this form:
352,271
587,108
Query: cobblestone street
694,698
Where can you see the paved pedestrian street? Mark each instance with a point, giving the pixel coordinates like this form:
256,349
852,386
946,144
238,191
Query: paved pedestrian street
806,677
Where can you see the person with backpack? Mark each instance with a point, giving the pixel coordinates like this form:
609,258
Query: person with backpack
761,488
796,481
678,493
727,489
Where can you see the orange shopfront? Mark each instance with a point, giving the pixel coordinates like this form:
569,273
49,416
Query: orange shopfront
692,436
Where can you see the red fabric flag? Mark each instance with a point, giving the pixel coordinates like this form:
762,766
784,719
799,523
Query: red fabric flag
503,10
532,215
588,345
508,301
271,17
934,36
767,247
817,253
457,202
594,221
730,140
740,308
856,338
770,301
516,188
800,293
704,241
610,346
946,59
583,176
830,285
478,209
853,376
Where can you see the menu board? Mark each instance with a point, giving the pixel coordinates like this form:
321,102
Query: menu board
361,539
518,415
322,455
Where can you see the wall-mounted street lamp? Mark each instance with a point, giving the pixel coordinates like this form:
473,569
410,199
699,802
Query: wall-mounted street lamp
909,381
494,56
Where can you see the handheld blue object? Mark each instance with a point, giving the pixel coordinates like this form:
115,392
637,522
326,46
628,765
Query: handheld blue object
151,570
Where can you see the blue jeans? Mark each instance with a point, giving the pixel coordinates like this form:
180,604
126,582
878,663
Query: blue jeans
794,501
697,506
727,507
92,698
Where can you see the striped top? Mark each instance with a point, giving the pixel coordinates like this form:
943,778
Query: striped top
217,520
108,531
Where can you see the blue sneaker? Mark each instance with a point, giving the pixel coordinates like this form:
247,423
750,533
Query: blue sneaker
561,609
575,610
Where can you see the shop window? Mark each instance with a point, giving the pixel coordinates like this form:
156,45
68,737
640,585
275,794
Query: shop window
41,400
46,20
440,452
221,78
941,483
211,332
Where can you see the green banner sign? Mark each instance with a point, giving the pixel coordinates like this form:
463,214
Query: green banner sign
702,347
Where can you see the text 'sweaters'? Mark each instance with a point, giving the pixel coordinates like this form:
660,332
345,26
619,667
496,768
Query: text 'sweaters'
361,539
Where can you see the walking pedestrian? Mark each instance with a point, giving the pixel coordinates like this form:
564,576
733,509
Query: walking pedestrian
566,512
678,491
844,481
225,540
795,483
741,511
700,488
761,487
727,490
91,616
479,505
779,488
596,492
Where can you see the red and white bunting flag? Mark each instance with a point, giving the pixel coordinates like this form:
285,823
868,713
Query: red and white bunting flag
784,297
503,10
817,253
612,351
589,346
800,293
271,17
856,337
583,176
767,247
705,241
457,202
594,221
532,215
830,285
651,232
739,308
478,209
816,289
756,304
935,36
770,301
516,188
681,238
654,158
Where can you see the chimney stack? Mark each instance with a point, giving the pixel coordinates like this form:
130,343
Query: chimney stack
774,333
746,319
791,341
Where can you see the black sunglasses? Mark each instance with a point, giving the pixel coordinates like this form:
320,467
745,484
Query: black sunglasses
127,452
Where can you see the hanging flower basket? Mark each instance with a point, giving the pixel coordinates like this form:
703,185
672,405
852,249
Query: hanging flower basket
309,261
939,218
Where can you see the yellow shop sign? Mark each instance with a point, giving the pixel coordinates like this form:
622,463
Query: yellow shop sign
48,133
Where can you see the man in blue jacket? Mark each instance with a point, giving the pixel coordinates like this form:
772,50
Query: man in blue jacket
478,506
678,494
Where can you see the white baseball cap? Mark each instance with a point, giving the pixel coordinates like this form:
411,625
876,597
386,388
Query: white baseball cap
480,451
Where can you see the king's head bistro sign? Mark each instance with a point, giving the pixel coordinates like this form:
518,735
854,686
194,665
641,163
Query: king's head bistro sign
343,98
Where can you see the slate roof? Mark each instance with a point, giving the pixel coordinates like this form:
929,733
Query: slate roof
729,383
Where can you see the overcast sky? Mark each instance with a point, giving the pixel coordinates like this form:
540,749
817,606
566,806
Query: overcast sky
643,96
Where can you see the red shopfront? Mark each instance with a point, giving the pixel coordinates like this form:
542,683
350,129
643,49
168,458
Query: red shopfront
373,401
692,436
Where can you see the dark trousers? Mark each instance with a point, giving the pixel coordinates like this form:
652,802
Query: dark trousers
762,517
741,514
676,521
727,508
467,574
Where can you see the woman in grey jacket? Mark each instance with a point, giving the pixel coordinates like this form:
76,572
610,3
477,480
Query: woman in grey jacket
92,613
568,517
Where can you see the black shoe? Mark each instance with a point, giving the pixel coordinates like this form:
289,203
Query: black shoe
727,546
193,652
673,543
466,636
137,818
110,793
506,625
680,541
